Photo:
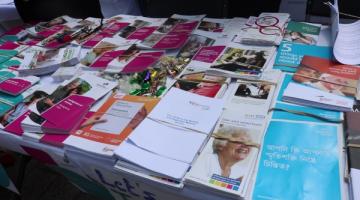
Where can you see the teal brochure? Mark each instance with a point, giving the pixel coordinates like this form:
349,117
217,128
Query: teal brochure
282,114
9,63
299,161
290,55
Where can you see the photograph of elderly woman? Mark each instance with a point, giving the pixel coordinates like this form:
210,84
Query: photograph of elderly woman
242,60
229,153
77,86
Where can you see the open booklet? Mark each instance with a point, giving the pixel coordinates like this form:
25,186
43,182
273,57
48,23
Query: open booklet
161,153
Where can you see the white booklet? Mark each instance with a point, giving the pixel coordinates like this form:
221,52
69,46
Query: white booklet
188,110
167,129
266,29
305,95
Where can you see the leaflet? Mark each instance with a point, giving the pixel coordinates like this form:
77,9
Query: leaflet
289,55
192,111
286,155
117,118
303,33
240,61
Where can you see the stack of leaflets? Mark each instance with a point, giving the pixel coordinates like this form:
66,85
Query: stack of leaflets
140,27
303,33
108,49
289,55
12,119
196,80
162,152
173,33
133,60
265,30
311,155
42,26
108,29
238,61
10,49
13,85
324,83
72,99
110,125
41,61
228,160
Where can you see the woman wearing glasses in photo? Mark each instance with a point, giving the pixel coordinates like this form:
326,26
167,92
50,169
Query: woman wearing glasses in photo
231,153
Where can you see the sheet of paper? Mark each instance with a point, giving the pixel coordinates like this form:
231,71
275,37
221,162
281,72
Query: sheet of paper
167,141
355,181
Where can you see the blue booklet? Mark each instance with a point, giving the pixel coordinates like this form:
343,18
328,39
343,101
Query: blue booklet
290,55
301,164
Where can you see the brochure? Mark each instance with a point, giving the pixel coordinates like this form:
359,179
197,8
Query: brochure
196,80
265,30
309,158
303,33
172,128
239,61
328,76
289,55
41,61
111,124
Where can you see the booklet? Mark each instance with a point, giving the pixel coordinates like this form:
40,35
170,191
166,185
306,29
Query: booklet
42,26
16,85
264,30
11,120
133,60
104,52
14,34
289,55
213,25
196,80
10,49
309,158
73,99
238,61
328,76
109,30
191,121
303,33
287,111
111,124
41,61
140,28
180,24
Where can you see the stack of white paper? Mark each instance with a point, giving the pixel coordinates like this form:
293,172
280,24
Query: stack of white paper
171,135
